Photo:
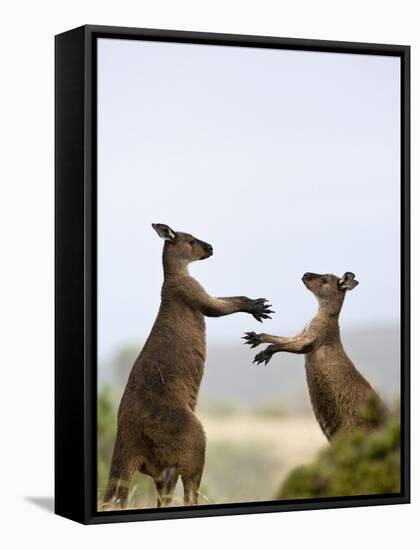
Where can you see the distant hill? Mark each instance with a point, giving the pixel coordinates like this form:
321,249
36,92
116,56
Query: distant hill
231,377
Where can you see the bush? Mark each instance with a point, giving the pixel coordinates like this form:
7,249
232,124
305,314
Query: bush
107,428
356,463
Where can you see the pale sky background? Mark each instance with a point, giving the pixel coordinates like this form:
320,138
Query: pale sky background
285,161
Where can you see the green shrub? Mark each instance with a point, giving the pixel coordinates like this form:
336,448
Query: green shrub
107,427
356,463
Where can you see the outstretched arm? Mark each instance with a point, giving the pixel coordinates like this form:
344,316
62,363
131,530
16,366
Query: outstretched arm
217,307
259,308
301,343
197,297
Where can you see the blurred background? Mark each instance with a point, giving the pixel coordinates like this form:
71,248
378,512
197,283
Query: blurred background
285,162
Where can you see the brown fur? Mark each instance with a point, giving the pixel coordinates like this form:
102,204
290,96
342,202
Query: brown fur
158,432
339,394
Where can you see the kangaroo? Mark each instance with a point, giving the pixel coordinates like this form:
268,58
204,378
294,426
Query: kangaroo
158,432
339,393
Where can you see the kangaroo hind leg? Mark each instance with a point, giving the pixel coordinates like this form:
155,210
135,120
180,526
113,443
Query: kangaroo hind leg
165,486
121,473
191,464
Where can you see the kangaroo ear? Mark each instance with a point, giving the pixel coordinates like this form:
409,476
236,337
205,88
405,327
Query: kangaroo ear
347,281
164,231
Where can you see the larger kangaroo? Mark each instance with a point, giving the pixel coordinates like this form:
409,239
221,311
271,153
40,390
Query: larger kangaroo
338,391
158,432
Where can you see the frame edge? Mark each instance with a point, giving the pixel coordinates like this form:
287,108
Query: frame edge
69,275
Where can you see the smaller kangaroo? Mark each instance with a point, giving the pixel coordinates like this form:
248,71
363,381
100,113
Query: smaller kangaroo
338,391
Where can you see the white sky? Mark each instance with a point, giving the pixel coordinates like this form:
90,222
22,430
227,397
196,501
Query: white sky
284,161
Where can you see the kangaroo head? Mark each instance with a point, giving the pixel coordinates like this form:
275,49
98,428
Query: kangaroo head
180,249
329,288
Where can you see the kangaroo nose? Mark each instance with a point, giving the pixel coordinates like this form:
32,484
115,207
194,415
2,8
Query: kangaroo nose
309,276
208,247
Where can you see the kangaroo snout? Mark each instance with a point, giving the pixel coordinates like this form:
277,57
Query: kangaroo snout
208,249
309,276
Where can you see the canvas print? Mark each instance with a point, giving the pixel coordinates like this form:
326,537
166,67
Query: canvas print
248,275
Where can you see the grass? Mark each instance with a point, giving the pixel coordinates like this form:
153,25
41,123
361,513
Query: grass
252,452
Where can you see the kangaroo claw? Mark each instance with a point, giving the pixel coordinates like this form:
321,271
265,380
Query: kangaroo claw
252,339
263,357
260,309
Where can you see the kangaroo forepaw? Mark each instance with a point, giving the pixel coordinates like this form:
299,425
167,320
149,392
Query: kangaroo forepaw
260,309
264,356
252,339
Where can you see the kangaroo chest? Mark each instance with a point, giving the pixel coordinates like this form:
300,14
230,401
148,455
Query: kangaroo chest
177,347
325,394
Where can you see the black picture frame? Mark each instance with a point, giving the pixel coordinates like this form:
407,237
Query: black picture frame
75,272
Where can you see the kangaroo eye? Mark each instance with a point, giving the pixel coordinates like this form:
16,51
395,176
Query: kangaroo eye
324,281
192,242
